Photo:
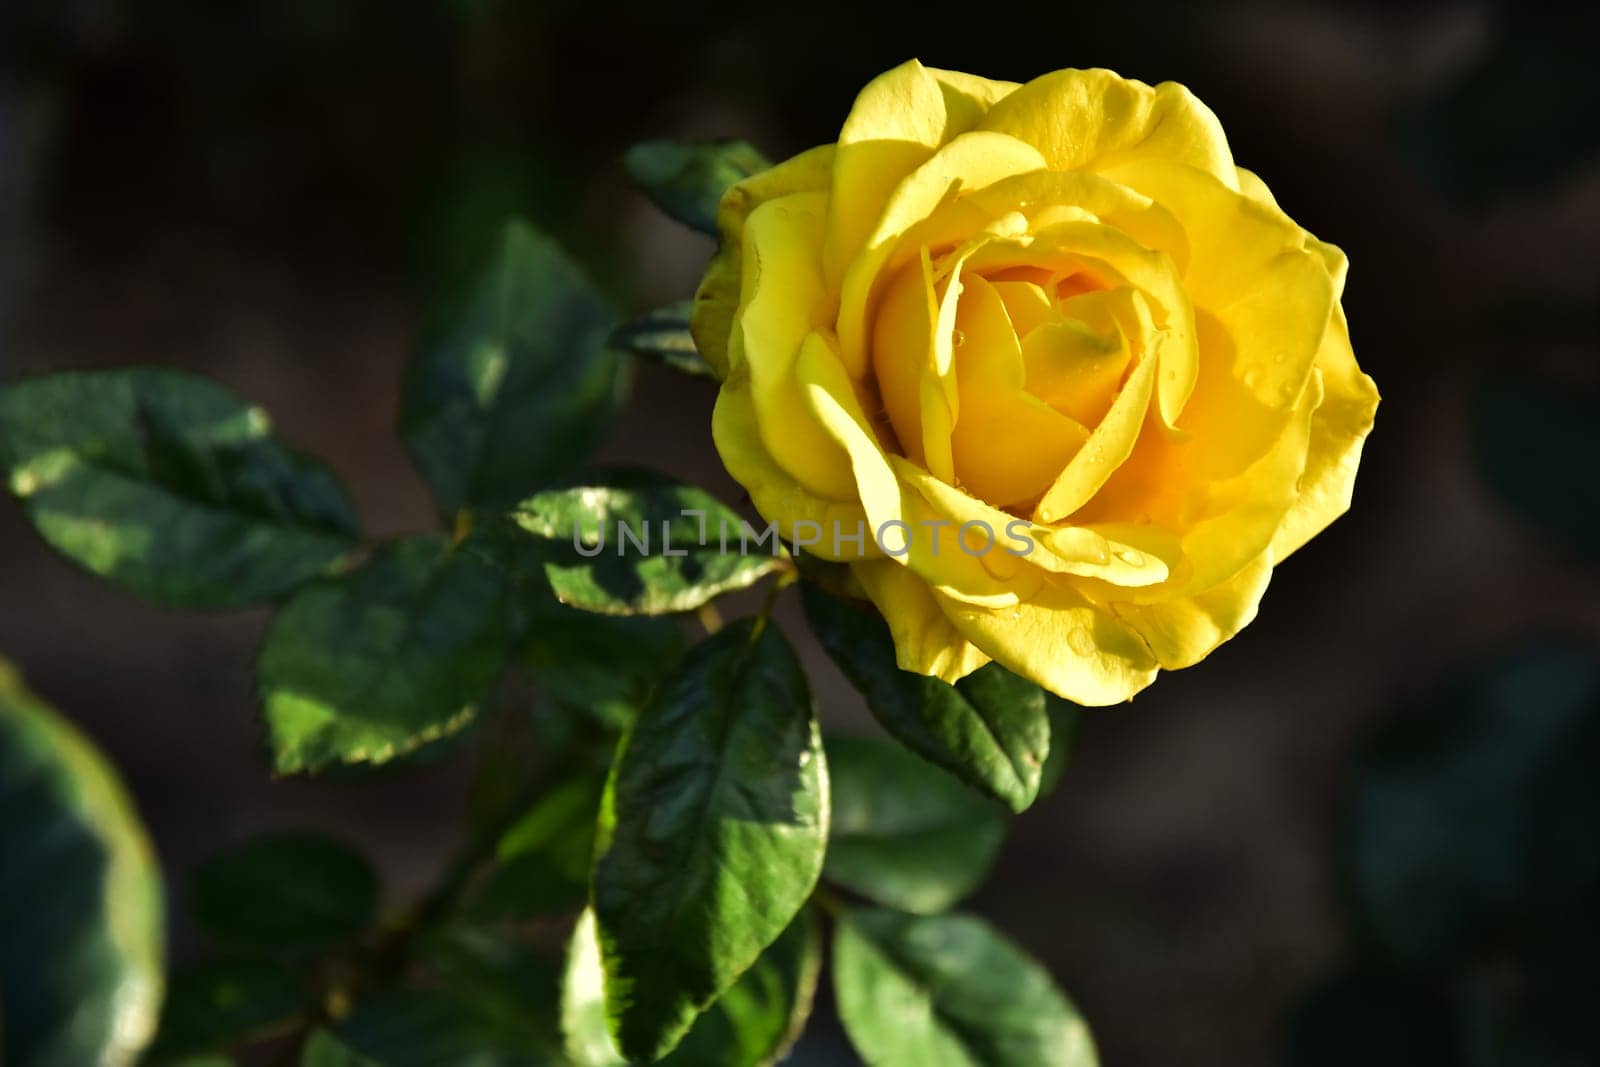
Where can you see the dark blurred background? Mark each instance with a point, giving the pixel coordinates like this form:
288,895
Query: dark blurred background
1326,845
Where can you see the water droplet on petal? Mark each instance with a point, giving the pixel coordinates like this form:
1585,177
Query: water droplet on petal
1131,557
957,338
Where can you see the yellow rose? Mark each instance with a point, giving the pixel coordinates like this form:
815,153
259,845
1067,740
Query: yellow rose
1055,317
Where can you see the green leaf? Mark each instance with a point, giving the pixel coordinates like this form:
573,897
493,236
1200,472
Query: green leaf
169,486
663,336
322,1049
753,1023
426,1028
640,553
378,662
687,179
226,1002
288,894
990,729
543,859
606,665
949,990
1537,444
1471,822
513,985
80,973
759,1017
711,836
519,385
903,832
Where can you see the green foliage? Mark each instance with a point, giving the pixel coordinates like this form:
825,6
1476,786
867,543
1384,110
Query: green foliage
288,894
225,1002
752,1023
380,661
80,974
990,729
663,336
169,486
711,835
426,1028
606,665
678,563
949,990
688,180
693,865
903,832
520,383
543,858
322,1049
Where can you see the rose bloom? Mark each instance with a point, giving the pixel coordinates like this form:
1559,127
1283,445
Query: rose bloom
1056,313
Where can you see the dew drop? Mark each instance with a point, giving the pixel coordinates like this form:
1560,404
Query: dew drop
1131,557
957,338
1252,378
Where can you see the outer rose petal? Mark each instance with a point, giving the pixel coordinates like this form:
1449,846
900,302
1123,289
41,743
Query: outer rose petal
1094,120
1183,632
718,296
925,641
1057,638
783,299
1338,429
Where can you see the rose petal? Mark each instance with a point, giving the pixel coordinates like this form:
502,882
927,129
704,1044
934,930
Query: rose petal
718,296
1094,119
925,641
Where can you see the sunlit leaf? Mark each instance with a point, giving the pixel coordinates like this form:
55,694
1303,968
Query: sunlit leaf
623,541
375,663
169,486
712,833
949,990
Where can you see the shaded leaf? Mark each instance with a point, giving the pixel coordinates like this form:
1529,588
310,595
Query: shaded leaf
687,179
543,859
169,486
903,832
81,970
225,1002
711,835
289,894
378,662
518,386
607,666
427,1028
663,336
949,990
627,564
322,1049
513,985
990,729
